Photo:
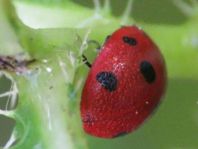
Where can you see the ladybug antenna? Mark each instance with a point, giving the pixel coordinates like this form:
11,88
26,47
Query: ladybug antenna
86,61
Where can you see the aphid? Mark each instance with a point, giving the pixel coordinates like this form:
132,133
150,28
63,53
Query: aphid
9,63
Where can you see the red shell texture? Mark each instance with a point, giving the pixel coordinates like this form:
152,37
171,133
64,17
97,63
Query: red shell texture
109,114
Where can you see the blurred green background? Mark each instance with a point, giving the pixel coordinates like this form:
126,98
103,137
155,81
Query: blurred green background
174,27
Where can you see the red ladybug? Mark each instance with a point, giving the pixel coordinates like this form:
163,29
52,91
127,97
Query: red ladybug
124,85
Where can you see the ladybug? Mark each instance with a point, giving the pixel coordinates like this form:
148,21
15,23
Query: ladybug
124,85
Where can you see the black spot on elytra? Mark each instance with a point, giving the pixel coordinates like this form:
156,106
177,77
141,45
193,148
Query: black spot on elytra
108,80
148,71
129,40
121,134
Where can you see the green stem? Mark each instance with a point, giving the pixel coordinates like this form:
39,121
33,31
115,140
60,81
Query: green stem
47,116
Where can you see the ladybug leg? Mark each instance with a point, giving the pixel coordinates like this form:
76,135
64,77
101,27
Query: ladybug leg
98,47
94,42
86,61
